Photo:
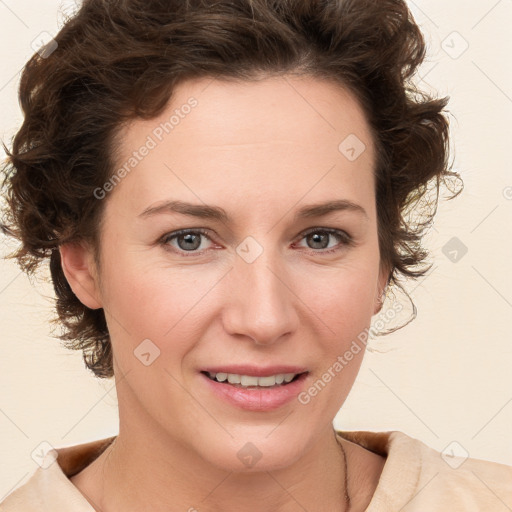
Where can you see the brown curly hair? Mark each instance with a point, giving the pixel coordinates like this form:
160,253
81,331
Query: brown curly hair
118,60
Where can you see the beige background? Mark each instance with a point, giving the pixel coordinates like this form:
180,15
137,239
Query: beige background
445,377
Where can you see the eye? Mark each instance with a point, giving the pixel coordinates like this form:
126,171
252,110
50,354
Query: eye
188,240
319,237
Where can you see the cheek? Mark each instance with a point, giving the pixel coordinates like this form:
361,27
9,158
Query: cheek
343,310
155,303
342,299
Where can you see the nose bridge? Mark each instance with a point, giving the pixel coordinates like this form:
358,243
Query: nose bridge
261,305
261,276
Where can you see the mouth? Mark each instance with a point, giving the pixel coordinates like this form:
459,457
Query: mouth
255,389
254,382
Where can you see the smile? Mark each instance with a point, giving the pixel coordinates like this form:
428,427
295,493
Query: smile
255,393
247,381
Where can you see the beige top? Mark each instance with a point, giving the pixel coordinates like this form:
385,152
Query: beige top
416,478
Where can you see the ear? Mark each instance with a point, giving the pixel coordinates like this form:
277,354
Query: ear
80,270
381,284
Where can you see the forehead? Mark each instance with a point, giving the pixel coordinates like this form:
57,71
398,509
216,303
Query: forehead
245,138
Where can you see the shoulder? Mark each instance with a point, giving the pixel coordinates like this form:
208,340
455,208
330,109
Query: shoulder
46,489
49,487
463,483
416,477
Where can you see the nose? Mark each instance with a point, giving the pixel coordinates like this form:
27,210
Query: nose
260,302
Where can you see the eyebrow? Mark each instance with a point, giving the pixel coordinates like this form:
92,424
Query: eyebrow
216,213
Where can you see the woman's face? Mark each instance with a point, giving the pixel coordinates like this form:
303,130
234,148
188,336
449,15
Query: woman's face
263,287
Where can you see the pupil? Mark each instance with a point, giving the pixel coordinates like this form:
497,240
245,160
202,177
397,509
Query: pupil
316,237
189,239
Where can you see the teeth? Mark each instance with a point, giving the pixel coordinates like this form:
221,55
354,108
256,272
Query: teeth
245,380
233,378
250,380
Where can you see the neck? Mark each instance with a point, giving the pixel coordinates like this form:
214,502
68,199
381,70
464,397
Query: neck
148,469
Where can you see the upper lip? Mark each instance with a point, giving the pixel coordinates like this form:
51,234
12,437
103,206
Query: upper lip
257,371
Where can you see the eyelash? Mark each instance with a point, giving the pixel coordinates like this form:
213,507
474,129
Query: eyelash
345,239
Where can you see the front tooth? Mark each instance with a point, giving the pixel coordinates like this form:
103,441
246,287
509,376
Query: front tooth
279,378
233,378
267,381
288,377
247,380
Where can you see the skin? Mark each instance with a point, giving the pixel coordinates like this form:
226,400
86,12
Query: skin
260,150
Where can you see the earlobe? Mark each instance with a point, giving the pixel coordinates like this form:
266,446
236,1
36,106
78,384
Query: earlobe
381,290
78,266
378,304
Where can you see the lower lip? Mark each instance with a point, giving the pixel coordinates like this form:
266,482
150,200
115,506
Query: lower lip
261,399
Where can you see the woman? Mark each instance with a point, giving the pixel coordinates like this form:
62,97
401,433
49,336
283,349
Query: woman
222,191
